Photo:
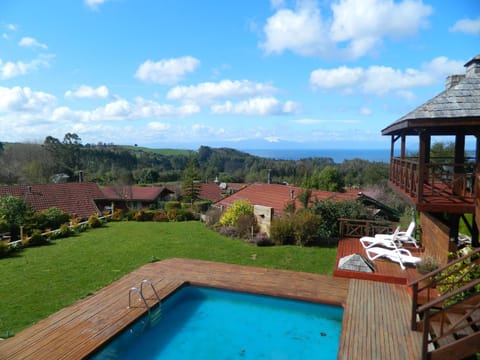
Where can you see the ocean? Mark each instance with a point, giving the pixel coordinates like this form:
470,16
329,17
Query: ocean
337,155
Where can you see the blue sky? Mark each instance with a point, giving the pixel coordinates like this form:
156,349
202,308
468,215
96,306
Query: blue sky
250,74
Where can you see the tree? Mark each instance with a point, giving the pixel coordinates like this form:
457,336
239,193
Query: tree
330,179
15,212
191,184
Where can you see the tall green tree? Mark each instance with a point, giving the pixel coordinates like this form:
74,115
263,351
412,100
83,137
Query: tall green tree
330,179
191,182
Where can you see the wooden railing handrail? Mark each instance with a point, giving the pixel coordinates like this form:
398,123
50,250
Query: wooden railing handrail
434,303
443,268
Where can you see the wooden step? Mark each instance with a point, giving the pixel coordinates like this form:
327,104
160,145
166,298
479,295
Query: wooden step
444,340
461,323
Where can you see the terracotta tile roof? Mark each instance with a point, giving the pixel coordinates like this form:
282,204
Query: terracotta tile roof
134,193
216,192
73,198
278,196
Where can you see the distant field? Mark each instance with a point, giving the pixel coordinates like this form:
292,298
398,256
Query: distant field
165,152
39,281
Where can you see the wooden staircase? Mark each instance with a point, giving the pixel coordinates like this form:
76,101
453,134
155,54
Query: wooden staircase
450,322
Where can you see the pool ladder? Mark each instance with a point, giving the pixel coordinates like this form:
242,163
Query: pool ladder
139,291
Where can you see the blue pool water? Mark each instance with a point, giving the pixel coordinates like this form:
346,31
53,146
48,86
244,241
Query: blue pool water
204,323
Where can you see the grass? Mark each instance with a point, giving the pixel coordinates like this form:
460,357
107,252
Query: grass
39,281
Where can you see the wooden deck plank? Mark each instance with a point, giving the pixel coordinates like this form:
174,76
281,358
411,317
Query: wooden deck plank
376,323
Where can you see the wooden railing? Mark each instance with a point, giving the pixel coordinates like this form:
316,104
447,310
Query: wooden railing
440,178
359,228
460,296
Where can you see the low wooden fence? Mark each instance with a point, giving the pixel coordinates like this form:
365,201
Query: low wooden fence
358,228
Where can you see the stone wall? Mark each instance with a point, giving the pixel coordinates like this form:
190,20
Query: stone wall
264,216
435,238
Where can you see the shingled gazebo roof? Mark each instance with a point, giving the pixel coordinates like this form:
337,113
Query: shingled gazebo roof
457,107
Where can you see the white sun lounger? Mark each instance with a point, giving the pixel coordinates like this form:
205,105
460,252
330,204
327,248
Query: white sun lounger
406,237
389,241
400,256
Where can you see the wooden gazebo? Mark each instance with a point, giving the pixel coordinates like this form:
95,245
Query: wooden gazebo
442,190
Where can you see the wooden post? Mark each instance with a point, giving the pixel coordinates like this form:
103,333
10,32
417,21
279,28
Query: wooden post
422,156
459,165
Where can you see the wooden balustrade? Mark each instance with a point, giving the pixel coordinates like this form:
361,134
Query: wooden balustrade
440,178
357,228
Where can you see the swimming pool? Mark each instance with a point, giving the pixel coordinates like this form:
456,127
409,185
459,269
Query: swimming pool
206,323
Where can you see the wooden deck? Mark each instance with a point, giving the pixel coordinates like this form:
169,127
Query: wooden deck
370,310
387,271
374,323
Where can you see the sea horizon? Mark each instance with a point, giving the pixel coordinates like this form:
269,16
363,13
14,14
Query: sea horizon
337,155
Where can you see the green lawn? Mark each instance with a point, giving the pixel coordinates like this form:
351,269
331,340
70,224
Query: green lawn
39,281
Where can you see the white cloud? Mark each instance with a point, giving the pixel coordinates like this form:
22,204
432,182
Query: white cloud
383,79
93,4
18,99
334,78
467,26
167,71
209,91
85,91
366,111
122,110
277,4
31,42
12,27
354,29
363,24
256,106
300,30
308,121
9,69
158,126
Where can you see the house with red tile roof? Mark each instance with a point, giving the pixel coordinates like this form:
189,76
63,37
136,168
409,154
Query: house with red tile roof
76,199
132,197
279,196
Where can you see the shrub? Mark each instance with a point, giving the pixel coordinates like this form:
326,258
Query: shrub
64,230
467,271
331,211
5,249
228,231
262,239
51,218
143,215
184,215
212,216
233,213
173,205
129,215
306,228
37,239
160,216
94,221
282,231
246,226
428,264
117,215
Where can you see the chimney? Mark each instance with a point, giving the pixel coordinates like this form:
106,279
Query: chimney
292,194
453,80
473,67
80,176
